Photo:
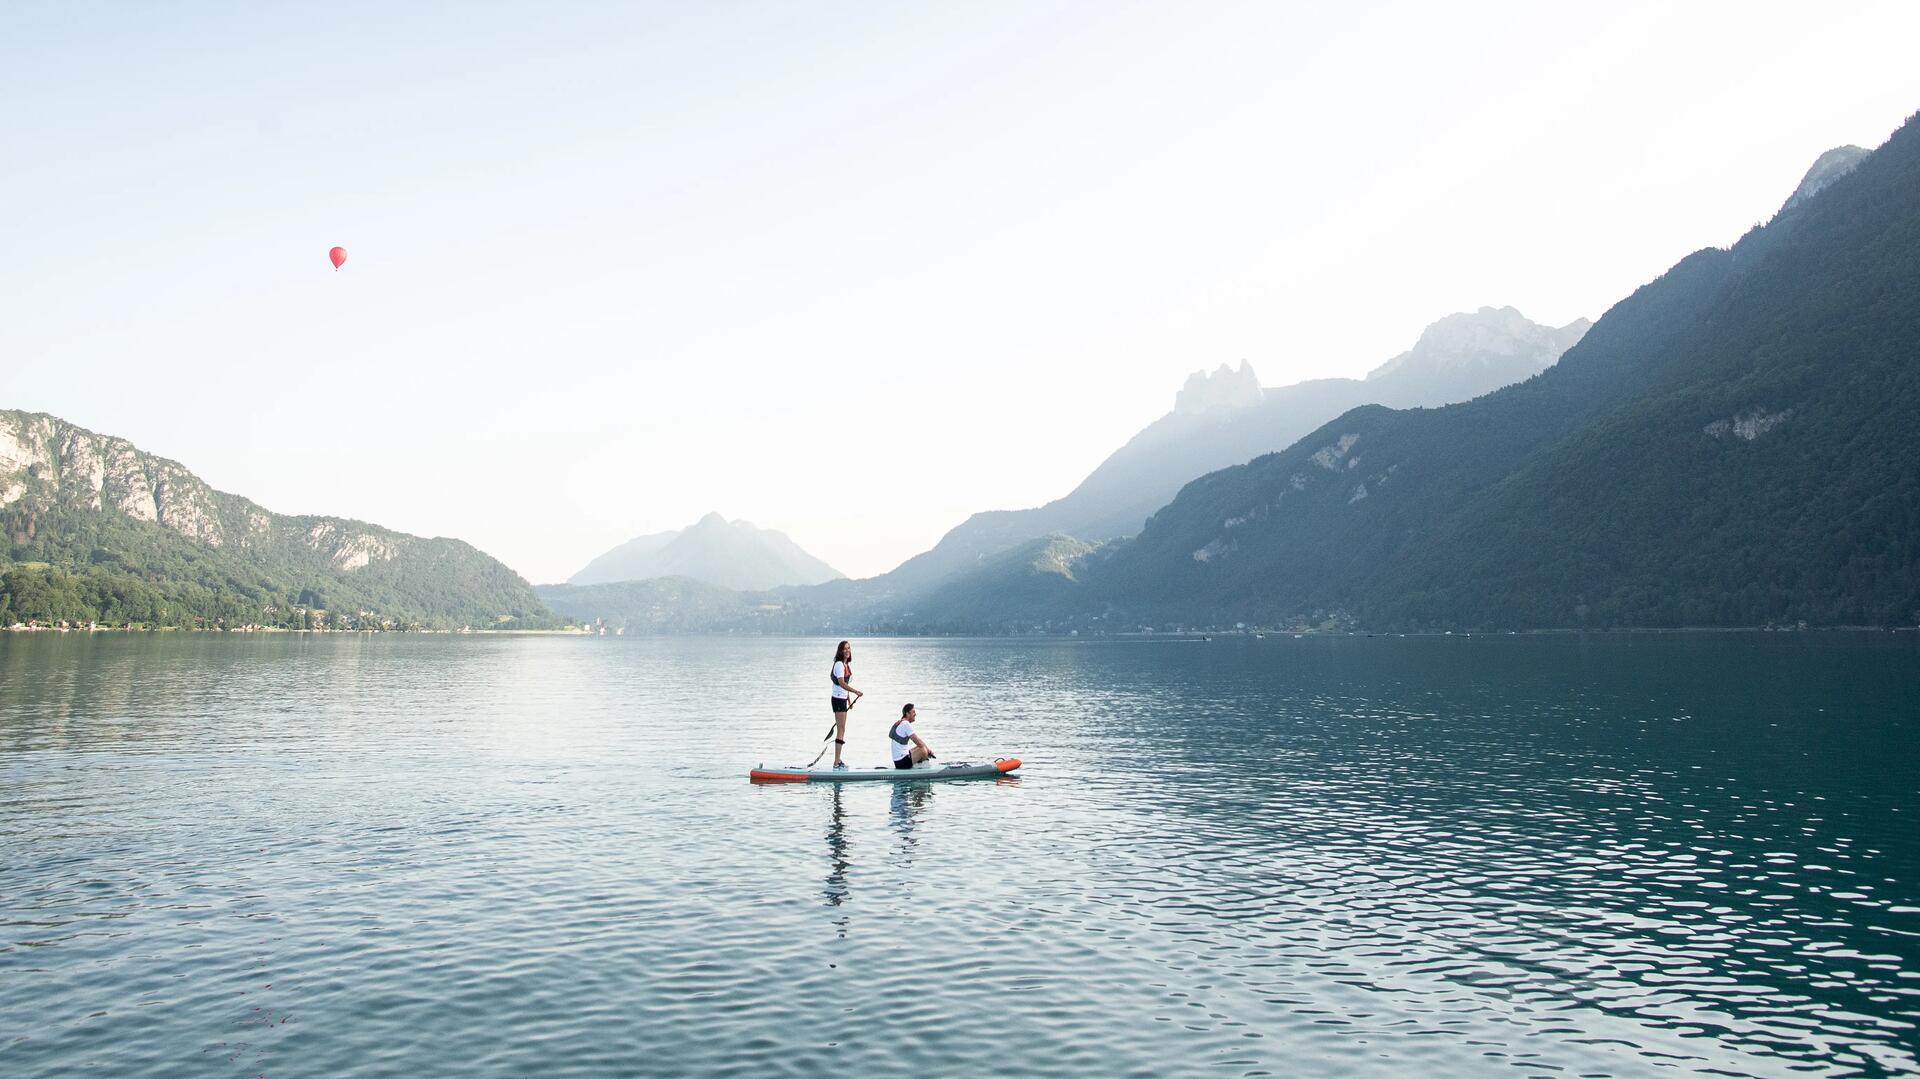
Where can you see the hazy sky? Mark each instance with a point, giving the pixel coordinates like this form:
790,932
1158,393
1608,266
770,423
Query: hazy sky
853,271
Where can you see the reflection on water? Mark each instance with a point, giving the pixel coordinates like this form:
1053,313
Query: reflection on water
332,855
837,851
910,801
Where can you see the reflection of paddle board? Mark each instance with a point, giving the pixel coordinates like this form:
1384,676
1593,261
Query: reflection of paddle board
956,770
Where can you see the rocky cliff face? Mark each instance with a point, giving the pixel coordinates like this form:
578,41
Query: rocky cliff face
47,458
46,461
150,542
1225,388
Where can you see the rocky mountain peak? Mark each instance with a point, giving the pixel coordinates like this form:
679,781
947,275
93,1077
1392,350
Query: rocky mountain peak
1827,168
1490,336
731,554
1499,330
1224,388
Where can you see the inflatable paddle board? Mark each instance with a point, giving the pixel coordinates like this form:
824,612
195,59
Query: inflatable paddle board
957,770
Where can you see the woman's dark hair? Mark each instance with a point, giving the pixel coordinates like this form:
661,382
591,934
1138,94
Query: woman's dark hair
840,648
905,708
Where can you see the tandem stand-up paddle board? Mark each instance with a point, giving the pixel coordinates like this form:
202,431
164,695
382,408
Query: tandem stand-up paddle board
957,770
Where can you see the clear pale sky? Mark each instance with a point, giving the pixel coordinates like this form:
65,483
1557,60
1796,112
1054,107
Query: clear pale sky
852,271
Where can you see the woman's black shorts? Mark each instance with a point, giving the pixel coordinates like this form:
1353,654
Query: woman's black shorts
841,704
904,762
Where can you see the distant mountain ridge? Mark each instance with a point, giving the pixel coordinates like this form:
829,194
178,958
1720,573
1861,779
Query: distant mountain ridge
1225,418
1465,355
1219,418
713,550
93,526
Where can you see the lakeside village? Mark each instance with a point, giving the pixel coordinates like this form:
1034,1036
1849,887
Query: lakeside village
387,626
308,621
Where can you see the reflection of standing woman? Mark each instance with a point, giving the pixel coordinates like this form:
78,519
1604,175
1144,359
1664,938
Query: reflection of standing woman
838,859
843,697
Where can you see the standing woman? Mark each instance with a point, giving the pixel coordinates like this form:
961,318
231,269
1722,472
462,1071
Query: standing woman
843,697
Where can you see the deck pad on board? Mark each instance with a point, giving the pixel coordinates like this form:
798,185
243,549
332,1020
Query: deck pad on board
955,770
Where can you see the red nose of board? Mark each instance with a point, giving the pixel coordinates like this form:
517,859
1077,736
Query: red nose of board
1007,764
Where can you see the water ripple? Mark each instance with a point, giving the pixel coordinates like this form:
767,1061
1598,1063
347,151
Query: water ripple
326,855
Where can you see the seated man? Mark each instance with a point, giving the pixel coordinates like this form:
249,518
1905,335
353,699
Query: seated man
908,748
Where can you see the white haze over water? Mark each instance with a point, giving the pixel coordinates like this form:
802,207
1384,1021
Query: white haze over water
850,271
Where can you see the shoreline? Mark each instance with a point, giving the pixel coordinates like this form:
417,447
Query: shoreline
248,630
1194,635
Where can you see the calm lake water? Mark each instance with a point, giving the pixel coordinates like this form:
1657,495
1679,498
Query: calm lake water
330,855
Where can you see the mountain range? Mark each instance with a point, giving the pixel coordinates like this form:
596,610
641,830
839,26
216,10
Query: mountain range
1225,418
1220,418
713,550
94,529
1736,443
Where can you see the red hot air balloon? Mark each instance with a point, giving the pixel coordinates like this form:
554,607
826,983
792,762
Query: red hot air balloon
338,255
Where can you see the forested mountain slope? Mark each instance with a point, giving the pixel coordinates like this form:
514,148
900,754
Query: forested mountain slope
1736,443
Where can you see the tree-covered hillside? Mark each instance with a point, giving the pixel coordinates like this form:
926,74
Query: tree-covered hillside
1000,594
667,605
1737,443
91,529
653,605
